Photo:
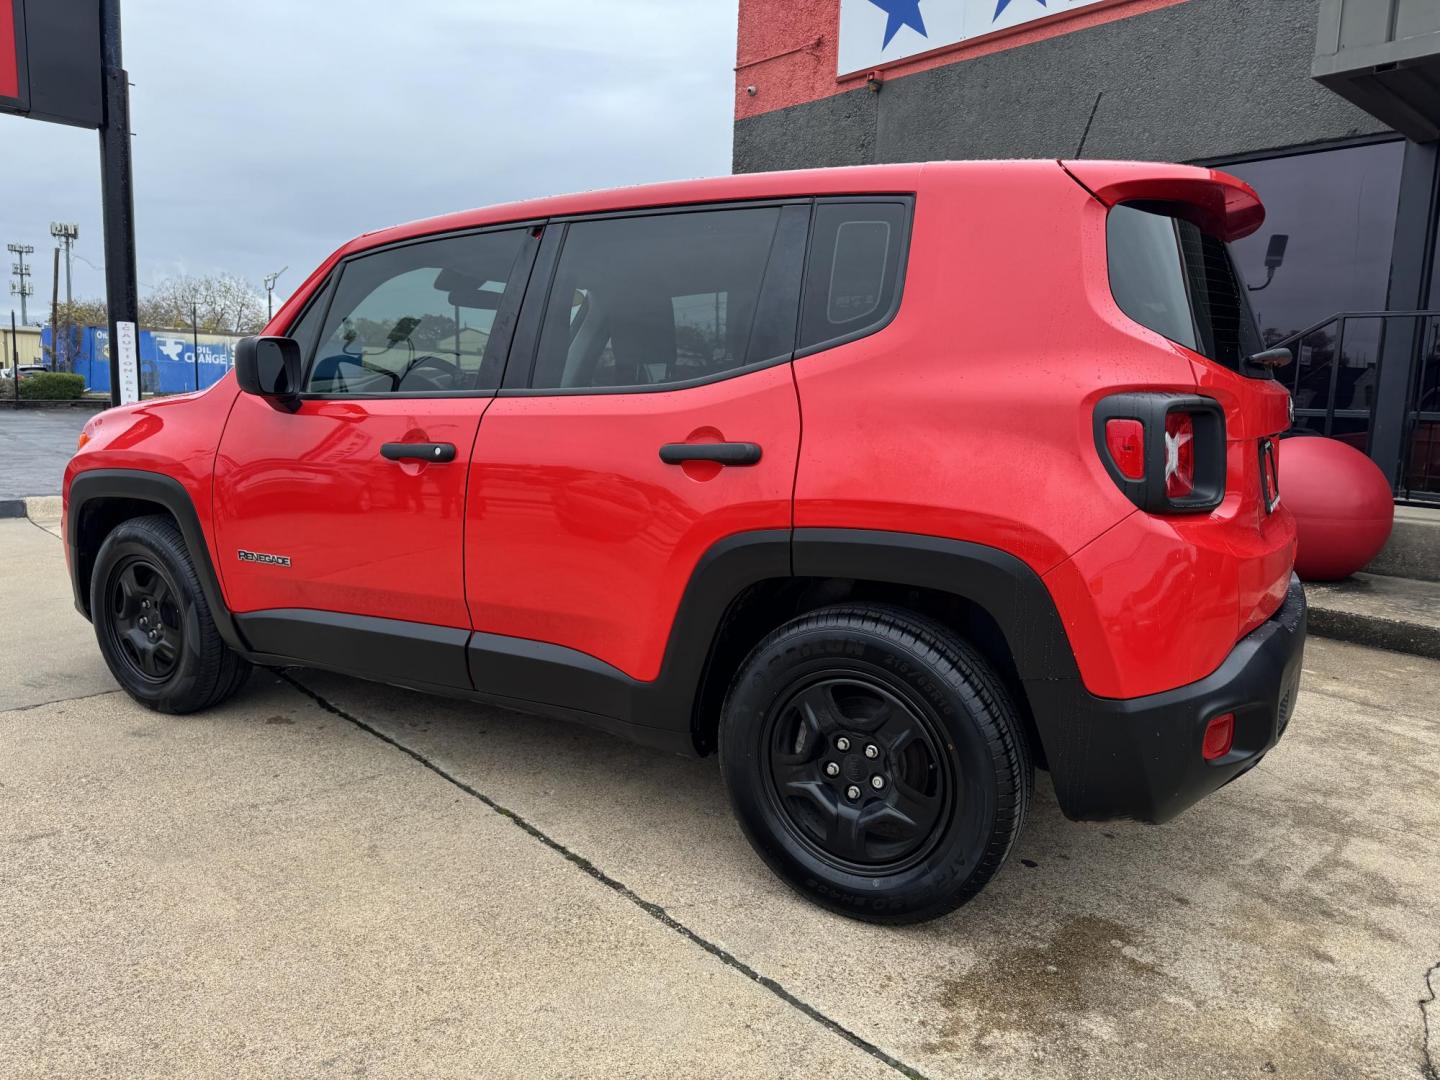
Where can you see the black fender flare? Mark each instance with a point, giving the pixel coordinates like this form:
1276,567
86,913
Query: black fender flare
163,491
665,711
1001,584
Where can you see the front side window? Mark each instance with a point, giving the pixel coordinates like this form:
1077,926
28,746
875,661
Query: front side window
1170,276
417,319
657,300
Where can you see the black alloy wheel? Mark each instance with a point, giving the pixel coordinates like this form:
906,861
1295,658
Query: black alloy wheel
144,618
875,761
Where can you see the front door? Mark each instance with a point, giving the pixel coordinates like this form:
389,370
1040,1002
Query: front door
659,416
347,516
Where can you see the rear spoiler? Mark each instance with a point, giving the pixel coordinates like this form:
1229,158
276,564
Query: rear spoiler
1217,202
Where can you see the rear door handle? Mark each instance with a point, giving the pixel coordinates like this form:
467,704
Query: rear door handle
418,451
726,453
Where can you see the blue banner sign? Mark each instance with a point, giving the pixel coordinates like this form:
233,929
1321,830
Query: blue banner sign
167,359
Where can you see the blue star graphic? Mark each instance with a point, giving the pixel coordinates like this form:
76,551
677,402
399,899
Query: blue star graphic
1000,7
902,13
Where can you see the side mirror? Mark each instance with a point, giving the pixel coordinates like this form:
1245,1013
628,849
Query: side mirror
269,367
1275,253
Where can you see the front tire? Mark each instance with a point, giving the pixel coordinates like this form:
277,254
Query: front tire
876,762
154,624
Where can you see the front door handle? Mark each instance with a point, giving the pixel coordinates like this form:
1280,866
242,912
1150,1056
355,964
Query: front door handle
418,451
725,453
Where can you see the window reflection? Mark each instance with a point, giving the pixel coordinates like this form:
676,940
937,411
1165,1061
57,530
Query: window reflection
1338,207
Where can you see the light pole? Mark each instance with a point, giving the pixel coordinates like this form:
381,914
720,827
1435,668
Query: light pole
23,288
67,233
270,280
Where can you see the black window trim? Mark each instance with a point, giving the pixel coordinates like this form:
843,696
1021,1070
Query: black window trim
1204,344
901,271
506,316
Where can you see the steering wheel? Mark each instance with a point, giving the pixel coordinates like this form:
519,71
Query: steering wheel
446,367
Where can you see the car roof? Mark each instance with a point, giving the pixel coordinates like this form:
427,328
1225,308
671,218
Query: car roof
848,180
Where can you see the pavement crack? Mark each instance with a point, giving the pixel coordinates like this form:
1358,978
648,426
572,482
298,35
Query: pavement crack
1429,1068
655,911
60,700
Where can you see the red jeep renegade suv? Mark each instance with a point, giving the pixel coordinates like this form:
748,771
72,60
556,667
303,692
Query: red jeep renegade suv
884,483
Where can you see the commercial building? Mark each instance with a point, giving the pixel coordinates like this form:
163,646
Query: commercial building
1329,108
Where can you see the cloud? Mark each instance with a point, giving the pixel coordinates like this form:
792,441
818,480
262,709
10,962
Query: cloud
269,132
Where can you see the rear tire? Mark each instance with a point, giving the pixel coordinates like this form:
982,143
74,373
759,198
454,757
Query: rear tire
154,624
875,762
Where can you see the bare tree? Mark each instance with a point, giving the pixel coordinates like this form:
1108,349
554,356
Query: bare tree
221,303
69,321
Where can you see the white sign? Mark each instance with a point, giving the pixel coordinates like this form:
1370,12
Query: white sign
876,32
129,354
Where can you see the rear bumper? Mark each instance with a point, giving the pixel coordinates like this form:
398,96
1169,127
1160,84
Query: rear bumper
1141,757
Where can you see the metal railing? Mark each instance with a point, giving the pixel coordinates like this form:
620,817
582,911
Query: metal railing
1417,473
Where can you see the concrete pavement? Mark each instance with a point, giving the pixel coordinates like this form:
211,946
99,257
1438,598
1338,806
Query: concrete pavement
275,889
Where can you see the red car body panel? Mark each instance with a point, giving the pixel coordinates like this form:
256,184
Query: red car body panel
1031,330
364,535
968,417
176,436
579,535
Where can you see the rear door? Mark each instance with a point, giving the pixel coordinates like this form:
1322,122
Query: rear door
352,508
649,412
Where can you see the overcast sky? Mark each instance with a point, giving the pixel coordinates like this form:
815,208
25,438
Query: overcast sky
268,132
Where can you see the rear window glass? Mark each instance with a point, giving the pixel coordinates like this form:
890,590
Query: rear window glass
651,301
1172,277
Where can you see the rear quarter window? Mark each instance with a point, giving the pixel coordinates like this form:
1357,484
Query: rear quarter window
856,269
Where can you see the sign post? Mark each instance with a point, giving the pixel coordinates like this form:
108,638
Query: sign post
124,363
60,61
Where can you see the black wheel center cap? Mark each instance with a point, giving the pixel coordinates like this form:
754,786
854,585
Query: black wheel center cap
856,768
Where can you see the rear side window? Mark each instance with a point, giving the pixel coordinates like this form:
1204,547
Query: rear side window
853,282
1172,277
647,301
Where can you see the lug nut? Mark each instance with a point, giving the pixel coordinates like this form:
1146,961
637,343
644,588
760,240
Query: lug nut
831,769
852,792
872,751
842,743
877,782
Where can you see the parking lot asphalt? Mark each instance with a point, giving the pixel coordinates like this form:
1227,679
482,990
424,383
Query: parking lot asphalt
35,445
327,877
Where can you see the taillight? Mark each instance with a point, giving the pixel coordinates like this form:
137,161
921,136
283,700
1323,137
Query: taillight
1166,452
1179,455
1125,439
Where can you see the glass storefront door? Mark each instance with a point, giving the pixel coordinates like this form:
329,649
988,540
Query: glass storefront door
1337,209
